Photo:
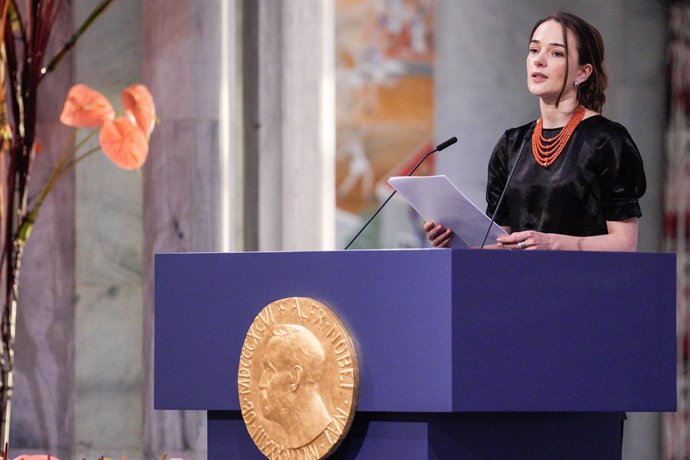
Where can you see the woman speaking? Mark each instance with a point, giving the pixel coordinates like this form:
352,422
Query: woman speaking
578,176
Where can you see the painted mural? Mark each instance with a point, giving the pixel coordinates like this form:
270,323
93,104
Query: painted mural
385,99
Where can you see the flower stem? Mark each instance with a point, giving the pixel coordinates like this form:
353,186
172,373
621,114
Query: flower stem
71,41
76,160
64,164
86,139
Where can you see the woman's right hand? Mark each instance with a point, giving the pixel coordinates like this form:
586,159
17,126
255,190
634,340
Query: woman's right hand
439,235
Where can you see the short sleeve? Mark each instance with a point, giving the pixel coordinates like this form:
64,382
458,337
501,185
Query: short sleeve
496,181
622,176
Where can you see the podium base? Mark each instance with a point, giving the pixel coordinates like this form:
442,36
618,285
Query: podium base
589,435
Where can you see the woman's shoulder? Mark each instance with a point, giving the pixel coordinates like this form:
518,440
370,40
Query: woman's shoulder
520,131
514,137
609,139
599,125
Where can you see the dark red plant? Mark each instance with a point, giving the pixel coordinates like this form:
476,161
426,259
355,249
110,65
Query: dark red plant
25,30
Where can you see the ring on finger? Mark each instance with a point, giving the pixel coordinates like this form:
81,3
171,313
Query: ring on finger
521,245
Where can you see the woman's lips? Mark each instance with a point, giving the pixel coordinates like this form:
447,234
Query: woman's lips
538,77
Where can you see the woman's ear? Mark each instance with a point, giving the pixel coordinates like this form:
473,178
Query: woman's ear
584,73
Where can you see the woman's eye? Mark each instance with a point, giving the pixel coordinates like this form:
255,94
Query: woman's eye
558,53
533,50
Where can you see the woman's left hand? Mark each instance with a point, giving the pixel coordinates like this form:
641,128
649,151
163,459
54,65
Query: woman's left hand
528,239
621,236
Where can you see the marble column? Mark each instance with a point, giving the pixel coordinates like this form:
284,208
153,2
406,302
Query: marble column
109,253
182,66
308,125
290,121
246,115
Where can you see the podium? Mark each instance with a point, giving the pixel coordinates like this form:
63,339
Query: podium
462,353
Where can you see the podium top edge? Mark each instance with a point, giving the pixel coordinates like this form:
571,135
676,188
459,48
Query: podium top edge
418,250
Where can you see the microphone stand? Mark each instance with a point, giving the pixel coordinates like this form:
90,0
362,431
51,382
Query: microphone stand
503,193
438,148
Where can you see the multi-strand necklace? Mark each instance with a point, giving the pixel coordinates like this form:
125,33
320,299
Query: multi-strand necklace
546,151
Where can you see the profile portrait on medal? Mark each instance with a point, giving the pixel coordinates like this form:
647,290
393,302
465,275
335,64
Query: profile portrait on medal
291,367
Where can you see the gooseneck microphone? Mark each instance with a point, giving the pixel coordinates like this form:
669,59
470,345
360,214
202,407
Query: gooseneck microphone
438,148
503,193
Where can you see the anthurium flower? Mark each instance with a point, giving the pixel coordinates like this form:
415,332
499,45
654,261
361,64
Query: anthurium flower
124,143
138,102
86,108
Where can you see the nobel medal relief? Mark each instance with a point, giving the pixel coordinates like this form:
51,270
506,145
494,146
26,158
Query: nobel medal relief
298,380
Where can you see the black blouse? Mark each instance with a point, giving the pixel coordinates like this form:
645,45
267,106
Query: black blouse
598,177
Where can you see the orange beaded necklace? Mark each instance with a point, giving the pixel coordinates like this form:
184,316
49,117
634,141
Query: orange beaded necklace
546,151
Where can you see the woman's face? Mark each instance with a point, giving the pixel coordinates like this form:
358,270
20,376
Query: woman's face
546,63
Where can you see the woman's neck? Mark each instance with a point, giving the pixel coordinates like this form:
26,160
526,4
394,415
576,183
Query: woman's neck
557,116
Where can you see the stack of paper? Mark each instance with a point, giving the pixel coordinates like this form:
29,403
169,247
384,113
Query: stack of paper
435,198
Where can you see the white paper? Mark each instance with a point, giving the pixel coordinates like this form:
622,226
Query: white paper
435,198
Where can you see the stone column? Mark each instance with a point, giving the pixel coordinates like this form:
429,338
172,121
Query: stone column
308,125
182,66
262,73
109,245
243,155
289,121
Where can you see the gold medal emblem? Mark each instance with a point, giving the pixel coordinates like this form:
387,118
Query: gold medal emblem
298,380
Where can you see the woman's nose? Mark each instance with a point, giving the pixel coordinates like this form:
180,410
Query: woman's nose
539,60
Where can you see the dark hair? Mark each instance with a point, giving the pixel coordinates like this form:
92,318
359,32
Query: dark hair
590,47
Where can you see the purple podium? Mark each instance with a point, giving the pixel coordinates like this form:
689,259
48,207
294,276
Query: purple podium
462,353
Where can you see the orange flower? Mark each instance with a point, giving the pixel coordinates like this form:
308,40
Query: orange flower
123,143
138,102
86,108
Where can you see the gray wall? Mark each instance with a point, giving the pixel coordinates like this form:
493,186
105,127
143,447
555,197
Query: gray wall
481,91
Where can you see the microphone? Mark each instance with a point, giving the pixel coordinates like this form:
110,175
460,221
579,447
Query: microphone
438,148
503,193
